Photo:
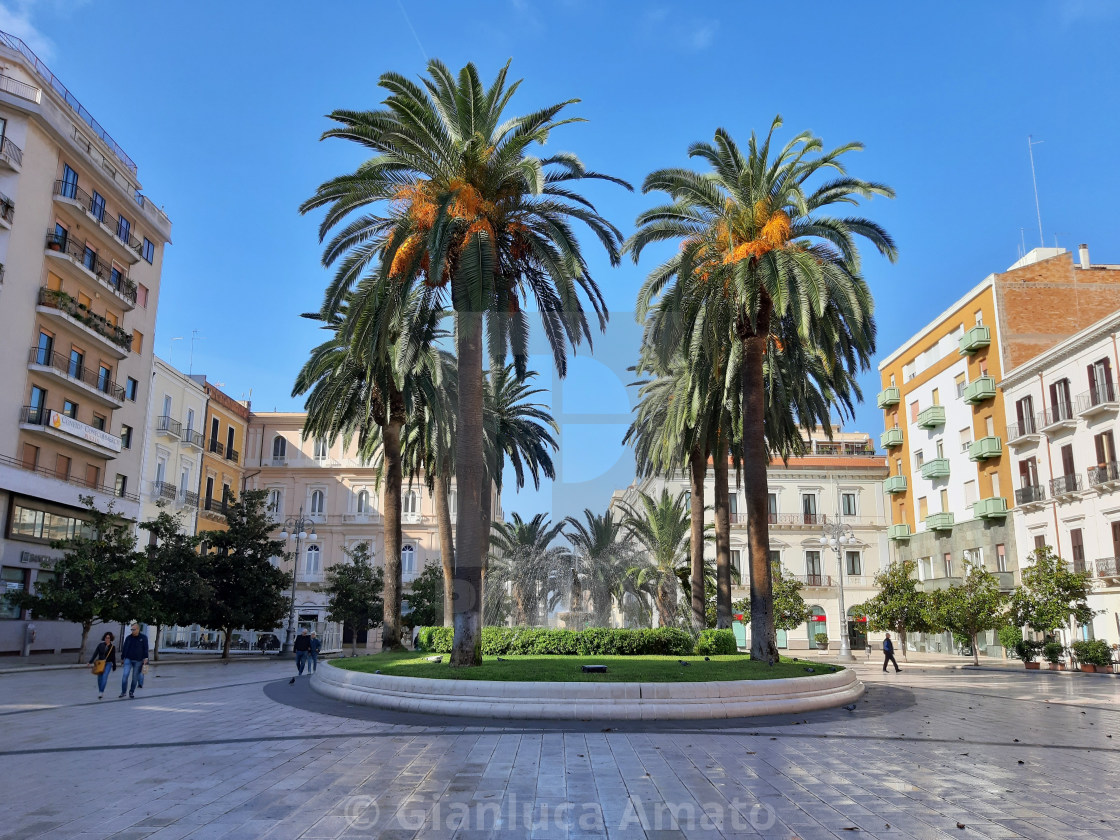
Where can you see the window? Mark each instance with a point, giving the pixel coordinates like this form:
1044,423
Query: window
124,229
142,295
948,565
966,439
1078,549
126,437
190,421
1028,473
318,502
1067,465
137,341
149,250
320,449
994,476
848,504
1001,558
775,558
62,467
45,348
93,475
37,405
12,580
275,500
1100,382
853,563
1061,406
989,426
184,481
130,389
215,426
940,448
161,472
1039,541
229,443
936,397
960,383
817,623
97,206
363,501
279,447
30,459
914,412
1024,415
944,500
227,495
733,504
69,182
813,575
209,503
1105,445
919,459
979,318
772,507
104,378
410,502
970,493
923,508
89,258
70,409
311,562
408,560
99,422
809,508
736,567
166,405
76,360
120,487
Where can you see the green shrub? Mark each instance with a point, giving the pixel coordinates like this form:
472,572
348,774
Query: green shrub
1096,652
716,643
1009,637
1028,649
821,638
542,641
1053,651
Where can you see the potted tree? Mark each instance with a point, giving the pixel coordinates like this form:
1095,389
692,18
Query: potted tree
1028,650
1053,652
822,641
1093,656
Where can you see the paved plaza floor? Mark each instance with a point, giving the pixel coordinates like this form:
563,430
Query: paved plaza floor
233,751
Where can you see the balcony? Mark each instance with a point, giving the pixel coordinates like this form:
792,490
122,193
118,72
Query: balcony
89,266
21,89
895,484
937,468
934,584
66,430
1105,477
1101,399
891,438
888,397
1006,581
101,388
985,448
193,438
232,455
11,156
190,499
932,417
978,390
1108,569
976,338
61,307
115,233
1058,419
76,481
898,532
7,212
1021,435
218,448
939,522
169,427
993,508
1065,486
817,581
165,491
1030,496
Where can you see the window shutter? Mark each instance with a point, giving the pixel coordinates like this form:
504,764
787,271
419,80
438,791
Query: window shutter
1099,441
1092,386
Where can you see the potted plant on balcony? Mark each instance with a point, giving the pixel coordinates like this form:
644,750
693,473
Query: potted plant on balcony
822,641
1053,652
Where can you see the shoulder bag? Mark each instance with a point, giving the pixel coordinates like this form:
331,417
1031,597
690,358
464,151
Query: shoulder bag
99,664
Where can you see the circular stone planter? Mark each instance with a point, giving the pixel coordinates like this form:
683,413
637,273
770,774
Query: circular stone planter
589,700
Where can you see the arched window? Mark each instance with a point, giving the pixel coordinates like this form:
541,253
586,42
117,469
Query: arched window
408,560
410,502
311,564
363,501
817,623
318,502
279,447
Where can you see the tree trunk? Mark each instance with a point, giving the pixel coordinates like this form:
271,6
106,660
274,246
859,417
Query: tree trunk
697,471
902,642
155,645
228,635
665,607
353,638
470,471
764,641
86,625
391,510
446,544
975,652
723,536
485,523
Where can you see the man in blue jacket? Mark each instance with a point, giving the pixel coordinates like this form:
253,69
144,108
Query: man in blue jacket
888,654
134,656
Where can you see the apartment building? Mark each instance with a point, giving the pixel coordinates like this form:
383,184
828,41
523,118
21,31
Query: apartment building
224,431
81,249
1063,445
946,423
174,445
838,481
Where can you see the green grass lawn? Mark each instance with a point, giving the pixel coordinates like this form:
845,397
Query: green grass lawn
567,668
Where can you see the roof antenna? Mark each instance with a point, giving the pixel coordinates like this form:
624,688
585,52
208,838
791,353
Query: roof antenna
194,338
1022,244
1031,143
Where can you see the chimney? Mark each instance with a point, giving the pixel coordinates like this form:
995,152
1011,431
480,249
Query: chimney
1083,253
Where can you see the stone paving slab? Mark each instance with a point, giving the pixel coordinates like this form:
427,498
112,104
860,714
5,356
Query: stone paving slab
219,751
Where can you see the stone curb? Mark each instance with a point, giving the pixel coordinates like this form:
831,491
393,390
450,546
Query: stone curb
589,701
1007,670
209,660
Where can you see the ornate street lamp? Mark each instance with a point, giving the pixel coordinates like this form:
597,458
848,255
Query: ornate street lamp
295,528
837,535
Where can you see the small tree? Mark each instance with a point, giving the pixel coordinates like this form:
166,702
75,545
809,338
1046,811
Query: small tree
425,599
1051,594
178,593
354,591
971,608
98,578
900,607
246,589
790,610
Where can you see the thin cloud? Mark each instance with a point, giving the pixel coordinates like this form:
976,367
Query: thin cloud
702,34
16,19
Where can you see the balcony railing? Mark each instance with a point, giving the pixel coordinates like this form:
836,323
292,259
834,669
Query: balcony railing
1030,494
169,425
123,234
991,508
190,498
1065,484
888,396
11,153
1104,473
977,337
217,448
940,521
814,580
1078,565
986,447
103,271
980,389
20,89
1015,431
1057,416
164,490
7,209
1108,567
85,375
891,438
194,438
898,532
895,484
1099,398
932,417
34,415
19,463
232,455
937,468
61,301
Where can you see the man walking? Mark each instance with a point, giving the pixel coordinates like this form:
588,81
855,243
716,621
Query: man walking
134,656
302,648
313,652
888,654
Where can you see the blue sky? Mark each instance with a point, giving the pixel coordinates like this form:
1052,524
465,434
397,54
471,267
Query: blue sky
221,105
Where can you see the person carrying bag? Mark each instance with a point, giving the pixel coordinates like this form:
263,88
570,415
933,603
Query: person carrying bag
102,663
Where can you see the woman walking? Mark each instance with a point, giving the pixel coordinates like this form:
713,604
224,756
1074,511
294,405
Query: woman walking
103,661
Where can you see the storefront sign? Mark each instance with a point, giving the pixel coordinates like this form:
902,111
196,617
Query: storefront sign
80,430
818,618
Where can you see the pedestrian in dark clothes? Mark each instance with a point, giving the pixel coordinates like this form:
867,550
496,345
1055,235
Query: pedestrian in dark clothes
888,654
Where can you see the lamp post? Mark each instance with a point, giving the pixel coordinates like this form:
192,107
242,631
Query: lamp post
295,528
836,536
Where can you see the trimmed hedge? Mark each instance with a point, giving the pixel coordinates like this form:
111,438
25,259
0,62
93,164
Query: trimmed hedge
716,643
541,641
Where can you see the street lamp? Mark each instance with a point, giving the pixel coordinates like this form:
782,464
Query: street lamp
295,528
836,536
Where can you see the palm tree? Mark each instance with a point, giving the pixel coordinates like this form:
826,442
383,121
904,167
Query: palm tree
662,526
530,563
602,552
753,232
476,223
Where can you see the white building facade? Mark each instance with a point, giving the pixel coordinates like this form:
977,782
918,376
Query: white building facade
1063,440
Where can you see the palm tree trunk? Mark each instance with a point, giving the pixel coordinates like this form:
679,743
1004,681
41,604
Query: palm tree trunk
486,523
466,650
723,536
764,642
446,545
665,608
697,471
391,510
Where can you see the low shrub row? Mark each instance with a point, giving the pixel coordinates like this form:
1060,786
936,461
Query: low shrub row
716,643
595,641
